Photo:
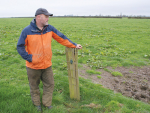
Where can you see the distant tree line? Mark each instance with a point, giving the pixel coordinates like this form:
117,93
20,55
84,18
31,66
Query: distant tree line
98,16
109,16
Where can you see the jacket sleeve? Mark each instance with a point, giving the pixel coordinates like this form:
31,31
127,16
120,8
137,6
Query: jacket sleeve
62,39
21,47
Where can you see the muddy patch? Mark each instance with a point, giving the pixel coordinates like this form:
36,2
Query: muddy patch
135,82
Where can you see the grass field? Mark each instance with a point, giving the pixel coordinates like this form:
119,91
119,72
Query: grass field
106,42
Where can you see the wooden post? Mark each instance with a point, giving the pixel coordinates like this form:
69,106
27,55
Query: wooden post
72,63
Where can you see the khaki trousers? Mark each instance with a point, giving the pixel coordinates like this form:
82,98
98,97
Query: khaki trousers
46,76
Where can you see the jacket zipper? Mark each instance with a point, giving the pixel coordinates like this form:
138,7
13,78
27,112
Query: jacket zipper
42,44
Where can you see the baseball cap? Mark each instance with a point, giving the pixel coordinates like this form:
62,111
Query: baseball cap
42,11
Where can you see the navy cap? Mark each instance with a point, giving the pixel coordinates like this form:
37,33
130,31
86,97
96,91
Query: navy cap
42,11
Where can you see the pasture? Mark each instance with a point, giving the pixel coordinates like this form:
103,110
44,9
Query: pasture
106,43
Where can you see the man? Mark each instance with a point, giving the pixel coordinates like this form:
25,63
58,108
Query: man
34,45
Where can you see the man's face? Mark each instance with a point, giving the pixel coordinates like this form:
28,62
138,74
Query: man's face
44,19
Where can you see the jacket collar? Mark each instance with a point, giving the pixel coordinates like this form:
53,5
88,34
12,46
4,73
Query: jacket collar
34,26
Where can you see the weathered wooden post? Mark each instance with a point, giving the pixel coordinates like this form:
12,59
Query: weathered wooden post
72,63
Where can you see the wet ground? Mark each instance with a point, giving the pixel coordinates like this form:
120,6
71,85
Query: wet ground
134,83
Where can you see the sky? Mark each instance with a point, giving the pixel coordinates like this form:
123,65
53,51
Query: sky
27,8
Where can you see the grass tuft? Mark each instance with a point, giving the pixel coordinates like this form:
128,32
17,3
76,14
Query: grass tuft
93,72
99,77
116,73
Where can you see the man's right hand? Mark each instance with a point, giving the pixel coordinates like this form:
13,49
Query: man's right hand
79,46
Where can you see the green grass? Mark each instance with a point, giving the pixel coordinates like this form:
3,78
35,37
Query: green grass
116,73
99,77
91,72
107,70
106,42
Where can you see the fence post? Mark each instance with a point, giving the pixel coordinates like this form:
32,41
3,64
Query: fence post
72,64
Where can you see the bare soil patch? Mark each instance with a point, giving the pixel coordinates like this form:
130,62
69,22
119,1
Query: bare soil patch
135,82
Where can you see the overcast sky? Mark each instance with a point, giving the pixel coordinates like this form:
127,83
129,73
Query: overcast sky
25,8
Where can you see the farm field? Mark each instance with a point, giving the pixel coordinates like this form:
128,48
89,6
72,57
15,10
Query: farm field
110,46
